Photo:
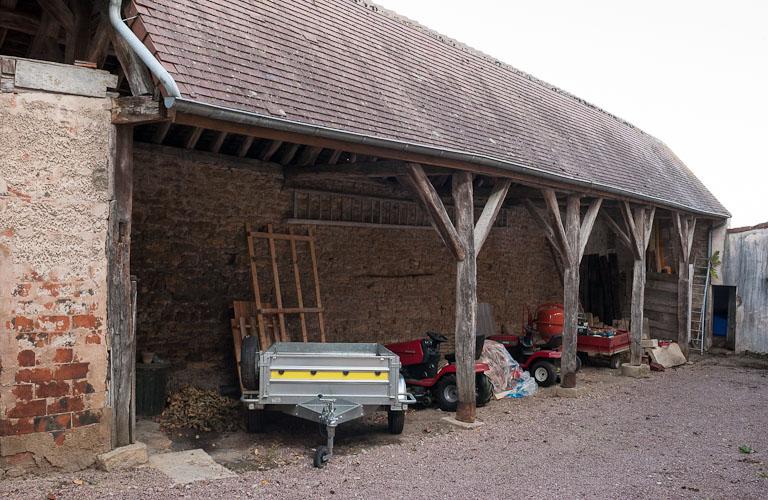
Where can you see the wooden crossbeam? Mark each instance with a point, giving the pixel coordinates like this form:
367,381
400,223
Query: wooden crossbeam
309,155
18,21
162,130
136,110
288,155
419,182
99,45
556,223
490,212
334,159
623,235
543,222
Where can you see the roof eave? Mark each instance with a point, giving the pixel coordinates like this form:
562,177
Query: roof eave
232,115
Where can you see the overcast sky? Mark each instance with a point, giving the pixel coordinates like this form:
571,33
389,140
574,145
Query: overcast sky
692,73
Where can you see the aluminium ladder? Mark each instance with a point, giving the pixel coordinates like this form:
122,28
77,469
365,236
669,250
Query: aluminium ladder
699,292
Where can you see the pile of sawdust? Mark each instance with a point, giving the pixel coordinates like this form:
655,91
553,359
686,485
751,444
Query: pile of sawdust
201,410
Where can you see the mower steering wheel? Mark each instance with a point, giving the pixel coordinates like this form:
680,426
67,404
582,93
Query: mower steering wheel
436,337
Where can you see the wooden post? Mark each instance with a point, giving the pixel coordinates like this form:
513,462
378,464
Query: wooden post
685,227
466,296
122,340
635,234
568,241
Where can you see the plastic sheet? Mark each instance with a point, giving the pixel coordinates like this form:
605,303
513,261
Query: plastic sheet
505,374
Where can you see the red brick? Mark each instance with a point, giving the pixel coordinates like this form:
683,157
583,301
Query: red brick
15,427
66,404
35,375
92,339
22,324
87,417
71,371
22,290
63,356
48,423
85,321
82,387
59,437
53,323
27,409
53,288
52,390
23,392
26,358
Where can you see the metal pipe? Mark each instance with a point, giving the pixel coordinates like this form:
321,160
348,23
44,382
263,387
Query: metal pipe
154,66
253,119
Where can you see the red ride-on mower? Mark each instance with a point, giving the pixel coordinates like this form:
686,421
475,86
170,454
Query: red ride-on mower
538,348
419,360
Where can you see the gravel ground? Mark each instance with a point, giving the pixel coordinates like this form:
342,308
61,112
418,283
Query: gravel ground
675,435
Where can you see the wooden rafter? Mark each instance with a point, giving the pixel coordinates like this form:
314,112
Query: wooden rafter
218,142
193,137
334,159
309,155
99,45
289,153
270,150
17,21
245,146
60,11
162,130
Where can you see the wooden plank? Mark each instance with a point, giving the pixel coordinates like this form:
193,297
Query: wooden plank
245,146
290,310
435,208
279,236
276,277
490,212
466,293
256,288
344,223
77,38
333,172
61,79
316,276
297,281
137,110
119,310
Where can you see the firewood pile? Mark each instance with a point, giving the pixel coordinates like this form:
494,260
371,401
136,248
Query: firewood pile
201,410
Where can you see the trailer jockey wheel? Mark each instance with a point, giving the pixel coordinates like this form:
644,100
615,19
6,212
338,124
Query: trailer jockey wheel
395,421
544,373
320,458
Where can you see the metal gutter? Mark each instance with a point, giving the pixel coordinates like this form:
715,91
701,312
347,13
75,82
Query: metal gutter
253,119
166,80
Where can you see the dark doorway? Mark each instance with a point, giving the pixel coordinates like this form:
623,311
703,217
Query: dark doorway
723,315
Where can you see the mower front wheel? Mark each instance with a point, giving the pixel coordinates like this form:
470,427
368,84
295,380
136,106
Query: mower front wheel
447,393
483,389
544,373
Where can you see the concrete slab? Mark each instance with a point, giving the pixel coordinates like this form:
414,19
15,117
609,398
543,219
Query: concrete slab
185,467
636,371
569,392
667,356
463,425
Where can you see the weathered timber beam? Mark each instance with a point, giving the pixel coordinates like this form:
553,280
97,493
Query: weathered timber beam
550,198
139,79
245,146
17,21
288,155
309,155
137,110
334,159
161,132
466,289
549,233
79,36
435,208
490,212
60,11
568,362
48,29
378,169
623,235
99,45
270,150
587,223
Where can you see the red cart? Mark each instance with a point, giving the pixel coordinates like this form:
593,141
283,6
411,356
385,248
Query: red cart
590,345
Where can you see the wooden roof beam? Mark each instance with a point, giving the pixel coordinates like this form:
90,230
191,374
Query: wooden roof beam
17,21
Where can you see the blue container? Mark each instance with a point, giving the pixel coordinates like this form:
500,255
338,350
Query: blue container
719,325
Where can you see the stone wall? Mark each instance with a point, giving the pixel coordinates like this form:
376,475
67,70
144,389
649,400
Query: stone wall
190,257
54,159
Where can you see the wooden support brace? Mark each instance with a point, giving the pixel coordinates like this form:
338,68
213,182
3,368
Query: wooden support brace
490,212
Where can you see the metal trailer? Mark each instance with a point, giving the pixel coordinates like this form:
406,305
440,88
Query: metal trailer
328,383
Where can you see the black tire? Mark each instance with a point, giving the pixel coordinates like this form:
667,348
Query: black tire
578,364
319,459
254,421
447,393
615,361
249,357
395,421
483,389
544,373
584,358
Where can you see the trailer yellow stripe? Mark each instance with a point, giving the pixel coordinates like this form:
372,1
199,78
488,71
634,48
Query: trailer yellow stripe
328,375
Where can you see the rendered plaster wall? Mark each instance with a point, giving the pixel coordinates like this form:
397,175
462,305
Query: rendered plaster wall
54,161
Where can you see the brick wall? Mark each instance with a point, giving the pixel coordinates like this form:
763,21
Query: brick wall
53,223
189,254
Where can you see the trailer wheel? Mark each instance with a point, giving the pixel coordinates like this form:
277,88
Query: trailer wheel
615,361
544,373
395,421
249,358
447,393
483,389
254,421
320,459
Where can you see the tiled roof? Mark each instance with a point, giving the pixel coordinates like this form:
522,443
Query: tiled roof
354,66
